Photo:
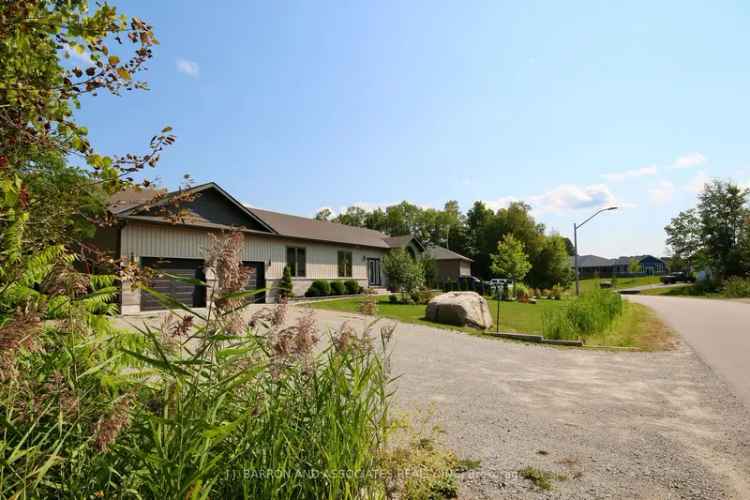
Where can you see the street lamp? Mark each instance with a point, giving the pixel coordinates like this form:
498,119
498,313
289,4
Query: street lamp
575,241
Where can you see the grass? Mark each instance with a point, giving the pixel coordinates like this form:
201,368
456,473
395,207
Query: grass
540,478
637,327
593,283
514,316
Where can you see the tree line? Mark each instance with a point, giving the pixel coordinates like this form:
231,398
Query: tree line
475,234
714,235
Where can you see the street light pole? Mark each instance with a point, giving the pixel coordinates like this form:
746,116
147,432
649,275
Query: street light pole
576,227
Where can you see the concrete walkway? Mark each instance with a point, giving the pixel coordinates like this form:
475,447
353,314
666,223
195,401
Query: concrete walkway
718,330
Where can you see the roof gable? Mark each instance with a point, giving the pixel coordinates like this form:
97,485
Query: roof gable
206,205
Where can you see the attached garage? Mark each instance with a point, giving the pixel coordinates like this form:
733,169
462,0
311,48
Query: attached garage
180,289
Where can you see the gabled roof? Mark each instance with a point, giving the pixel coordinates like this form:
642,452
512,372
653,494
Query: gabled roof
403,240
294,226
596,261
134,204
441,253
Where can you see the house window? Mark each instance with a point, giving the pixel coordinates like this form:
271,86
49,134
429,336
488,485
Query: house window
345,264
295,259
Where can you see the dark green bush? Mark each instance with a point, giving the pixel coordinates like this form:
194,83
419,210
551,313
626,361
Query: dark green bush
352,287
319,288
393,298
338,288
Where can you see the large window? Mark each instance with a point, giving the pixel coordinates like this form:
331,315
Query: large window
345,264
295,259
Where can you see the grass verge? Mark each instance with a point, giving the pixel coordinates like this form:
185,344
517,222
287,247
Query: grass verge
638,327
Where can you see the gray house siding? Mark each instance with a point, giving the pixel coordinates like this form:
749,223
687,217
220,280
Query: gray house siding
144,240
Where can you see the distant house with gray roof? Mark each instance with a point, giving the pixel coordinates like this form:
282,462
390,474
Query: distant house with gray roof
593,265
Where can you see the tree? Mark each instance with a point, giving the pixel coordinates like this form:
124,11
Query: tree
323,214
286,287
39,90
405,274
511,260
552,265
353,216
723,213
634,265
684,239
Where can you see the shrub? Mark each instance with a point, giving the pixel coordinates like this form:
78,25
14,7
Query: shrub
338,288
591,313
737,287
286,287
319,288
352,287
422,296
393,298
557,292
522,292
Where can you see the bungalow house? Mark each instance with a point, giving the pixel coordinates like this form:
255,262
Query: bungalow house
450,266
593,265
157,235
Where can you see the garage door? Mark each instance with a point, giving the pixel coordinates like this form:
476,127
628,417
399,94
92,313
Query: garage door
189,294
256,280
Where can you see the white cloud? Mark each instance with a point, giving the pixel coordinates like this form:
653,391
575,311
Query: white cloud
501,202
662,193
190,68
571,197
564,198
628,174
696,184
689,160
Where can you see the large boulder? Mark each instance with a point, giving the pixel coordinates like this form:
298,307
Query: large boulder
461,309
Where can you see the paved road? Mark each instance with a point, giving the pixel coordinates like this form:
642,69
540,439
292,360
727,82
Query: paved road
719,331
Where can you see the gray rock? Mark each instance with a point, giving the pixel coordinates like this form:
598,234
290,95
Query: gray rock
460,308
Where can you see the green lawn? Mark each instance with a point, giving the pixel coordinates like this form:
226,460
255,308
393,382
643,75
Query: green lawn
638,327
592,283
683,291
514,316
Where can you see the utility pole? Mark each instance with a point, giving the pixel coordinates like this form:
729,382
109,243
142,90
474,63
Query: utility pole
576,227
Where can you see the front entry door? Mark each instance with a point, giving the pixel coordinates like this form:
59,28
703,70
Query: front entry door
373,272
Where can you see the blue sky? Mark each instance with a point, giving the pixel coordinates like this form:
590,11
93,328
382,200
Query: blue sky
293,106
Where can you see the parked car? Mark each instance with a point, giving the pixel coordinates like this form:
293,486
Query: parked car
677,277
500,282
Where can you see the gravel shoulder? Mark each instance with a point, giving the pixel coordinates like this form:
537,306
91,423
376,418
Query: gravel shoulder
653,425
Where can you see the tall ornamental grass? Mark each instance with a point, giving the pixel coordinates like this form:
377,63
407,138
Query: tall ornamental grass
591,313
217,405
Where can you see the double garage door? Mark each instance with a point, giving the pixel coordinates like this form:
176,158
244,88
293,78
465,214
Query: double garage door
178,279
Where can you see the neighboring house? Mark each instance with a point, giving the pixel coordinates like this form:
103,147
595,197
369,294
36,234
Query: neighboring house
593,265
449,265
154,234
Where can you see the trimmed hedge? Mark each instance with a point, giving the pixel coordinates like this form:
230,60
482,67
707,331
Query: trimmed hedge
338,288
319,288
352,287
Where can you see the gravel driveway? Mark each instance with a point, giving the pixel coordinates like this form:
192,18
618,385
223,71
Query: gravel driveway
617,424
